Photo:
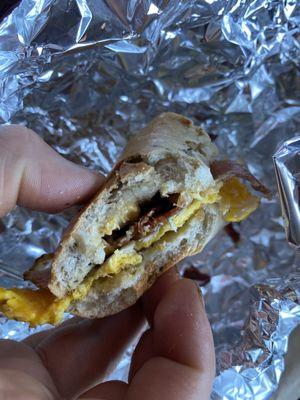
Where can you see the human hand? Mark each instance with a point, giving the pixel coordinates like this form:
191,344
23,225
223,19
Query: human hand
174,358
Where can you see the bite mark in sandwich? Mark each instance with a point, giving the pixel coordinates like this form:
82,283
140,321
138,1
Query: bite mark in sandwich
165,200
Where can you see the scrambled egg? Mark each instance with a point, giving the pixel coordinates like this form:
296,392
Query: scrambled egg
41,306
130,212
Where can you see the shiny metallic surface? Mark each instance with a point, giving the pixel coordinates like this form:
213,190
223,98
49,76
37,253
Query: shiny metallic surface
287,167
87,74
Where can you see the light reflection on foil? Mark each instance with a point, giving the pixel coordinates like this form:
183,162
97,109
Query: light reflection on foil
287,168
87,74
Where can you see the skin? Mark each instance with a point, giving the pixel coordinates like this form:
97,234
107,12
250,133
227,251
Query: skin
174,356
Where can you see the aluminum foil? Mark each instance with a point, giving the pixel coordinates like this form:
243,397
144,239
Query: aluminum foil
287,168
87,74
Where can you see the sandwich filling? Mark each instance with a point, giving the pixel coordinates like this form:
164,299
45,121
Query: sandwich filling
148,226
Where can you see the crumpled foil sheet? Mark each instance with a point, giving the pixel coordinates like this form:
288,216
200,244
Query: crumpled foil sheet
87,74
287,168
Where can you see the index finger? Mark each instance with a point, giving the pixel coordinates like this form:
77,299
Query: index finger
33,175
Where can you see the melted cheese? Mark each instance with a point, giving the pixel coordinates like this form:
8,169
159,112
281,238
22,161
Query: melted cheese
33,306
236,201
41,306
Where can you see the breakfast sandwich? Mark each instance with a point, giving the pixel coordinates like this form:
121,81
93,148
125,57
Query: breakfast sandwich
166,198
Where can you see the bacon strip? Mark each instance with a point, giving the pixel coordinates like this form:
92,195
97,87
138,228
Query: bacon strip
151,219
143,226
226,169
40,272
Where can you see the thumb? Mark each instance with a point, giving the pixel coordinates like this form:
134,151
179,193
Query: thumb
33,175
